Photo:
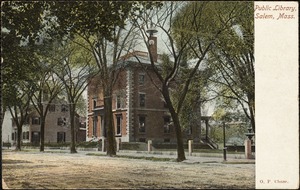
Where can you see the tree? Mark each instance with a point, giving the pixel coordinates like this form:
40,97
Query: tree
190,36
20,31
194,102
18,86
73,66
85,19
20,23
47,88
228,28
233,59
105,39
163,20
19,106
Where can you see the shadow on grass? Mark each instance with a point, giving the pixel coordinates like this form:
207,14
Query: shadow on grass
136,157
8,161
241,162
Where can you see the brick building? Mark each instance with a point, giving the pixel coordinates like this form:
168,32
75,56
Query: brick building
138,107
139,111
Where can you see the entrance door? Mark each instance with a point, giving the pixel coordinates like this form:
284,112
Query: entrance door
61,137
35,137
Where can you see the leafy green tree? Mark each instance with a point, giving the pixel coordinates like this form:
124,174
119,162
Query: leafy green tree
85,20
227,29
81,108
47,88
20,26
73,65
196,97
162,18
233,59
191,29
17,98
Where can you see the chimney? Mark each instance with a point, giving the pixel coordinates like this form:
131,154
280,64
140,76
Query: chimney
152,42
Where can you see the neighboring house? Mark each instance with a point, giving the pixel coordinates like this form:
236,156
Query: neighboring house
57,126
139,110
6,127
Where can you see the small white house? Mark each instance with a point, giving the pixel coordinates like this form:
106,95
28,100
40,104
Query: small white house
7,127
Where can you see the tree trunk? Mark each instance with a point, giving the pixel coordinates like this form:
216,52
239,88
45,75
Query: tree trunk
108,120
251,105
72,122
180,147
2,117
252,120
42,135
174,115
19,138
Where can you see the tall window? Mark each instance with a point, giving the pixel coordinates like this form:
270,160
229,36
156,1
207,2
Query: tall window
35,121
142,124
119,124
166,124
142,100
35,137
141,78
26,135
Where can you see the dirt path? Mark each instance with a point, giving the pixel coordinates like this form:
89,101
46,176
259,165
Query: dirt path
64,170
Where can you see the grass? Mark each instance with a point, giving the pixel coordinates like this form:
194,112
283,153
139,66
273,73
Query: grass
157,151
226,162
135,157
37,151
215,151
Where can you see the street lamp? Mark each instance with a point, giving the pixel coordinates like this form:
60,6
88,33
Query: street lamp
224,137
